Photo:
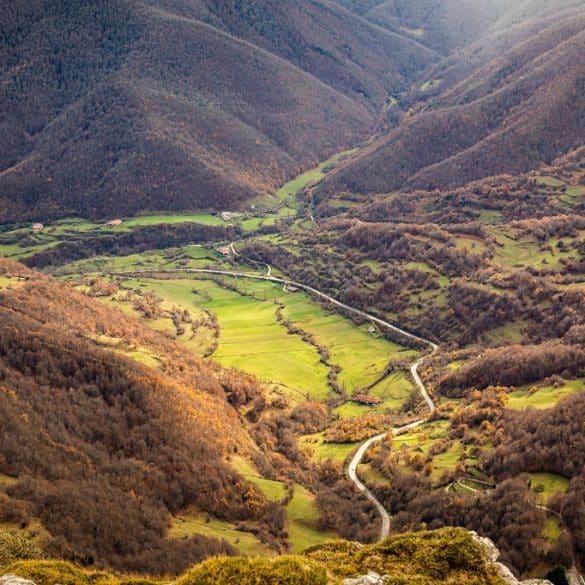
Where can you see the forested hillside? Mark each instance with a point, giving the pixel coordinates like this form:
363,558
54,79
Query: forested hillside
129,106
275,274
105,450
506,104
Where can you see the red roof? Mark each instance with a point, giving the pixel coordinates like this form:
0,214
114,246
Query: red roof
366,399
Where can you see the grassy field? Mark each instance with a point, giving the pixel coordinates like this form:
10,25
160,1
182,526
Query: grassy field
548,484
273,490
322,451
302,513
187,257
431,84
187,525
372,477
509,333
518,251
420,439
147,220
552,529
361,355
545,396
303,527
293,187
303,521
7,481
7,281
252,339
550,181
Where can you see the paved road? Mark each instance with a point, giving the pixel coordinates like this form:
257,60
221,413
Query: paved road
357,458
352,471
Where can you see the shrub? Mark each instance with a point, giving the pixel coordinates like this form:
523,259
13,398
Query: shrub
285,570
16,545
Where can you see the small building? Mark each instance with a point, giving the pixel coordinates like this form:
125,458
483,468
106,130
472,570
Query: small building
114,223
38,227
229,215
372,330
366,399
289,288
225,250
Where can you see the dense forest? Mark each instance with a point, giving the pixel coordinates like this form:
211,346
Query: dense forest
100,459
509,115
129,106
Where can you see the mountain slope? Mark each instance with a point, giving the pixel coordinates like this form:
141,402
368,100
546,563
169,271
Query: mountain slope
102,449
159,105
515,113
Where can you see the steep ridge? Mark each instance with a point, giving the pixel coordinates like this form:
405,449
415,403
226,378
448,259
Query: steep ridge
135,105
358,59
515,113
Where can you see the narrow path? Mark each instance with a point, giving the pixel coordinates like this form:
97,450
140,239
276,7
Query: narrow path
310,289
357,459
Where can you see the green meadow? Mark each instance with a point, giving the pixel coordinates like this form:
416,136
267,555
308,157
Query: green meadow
321,451
188,525
361,355
252,339
431,84
303,521
518,251
312,176
192,524
548,484
544,396
275,491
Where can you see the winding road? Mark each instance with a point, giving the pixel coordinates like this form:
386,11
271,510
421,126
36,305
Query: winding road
357,458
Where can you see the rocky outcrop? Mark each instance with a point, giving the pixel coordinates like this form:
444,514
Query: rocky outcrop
372,578
14,580
493,554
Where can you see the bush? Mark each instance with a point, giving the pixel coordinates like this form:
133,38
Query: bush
58,573
17,545
286,570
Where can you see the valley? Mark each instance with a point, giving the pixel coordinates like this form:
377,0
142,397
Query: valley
292,293
231,301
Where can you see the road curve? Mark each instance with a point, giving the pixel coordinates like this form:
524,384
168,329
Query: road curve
357,458
352,472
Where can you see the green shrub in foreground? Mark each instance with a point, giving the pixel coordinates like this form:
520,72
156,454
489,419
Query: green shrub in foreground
16,545
286,570
63,573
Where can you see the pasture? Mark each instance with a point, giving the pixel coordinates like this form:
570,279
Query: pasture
197,523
